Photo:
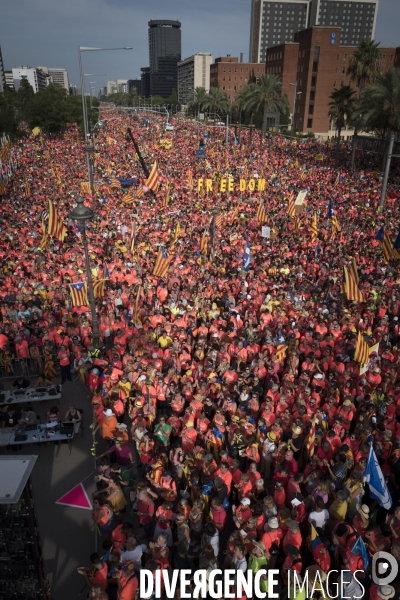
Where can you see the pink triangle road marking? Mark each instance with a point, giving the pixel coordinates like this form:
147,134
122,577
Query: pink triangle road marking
76,497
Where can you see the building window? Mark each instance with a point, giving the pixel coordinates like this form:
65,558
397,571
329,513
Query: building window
337,57
309,124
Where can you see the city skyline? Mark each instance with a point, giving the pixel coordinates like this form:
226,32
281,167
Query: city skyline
59,29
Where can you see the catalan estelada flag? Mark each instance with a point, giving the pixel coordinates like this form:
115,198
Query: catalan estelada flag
152,181
85,187
261,213
281,347
351,288
219,219
162,263
362,350
383,237
331,215
314,229
78,293
55,225
99,288
115,183
128,198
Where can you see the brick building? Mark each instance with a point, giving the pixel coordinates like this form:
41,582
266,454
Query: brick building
318,63
231,75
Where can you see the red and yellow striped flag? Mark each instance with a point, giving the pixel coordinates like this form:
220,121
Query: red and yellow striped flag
128,198
311,440
27,187
152,181
78,293
190,179
99,288
362,350
351,288
261,213
176,234
162,263
297,223
139,192
314,229
115,183
45,242
291,207
219,221
234,215
85,187
55,225
204,242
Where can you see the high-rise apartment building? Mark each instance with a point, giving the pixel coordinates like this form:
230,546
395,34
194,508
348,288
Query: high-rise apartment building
38,79
193,72
356,18
2,74
9,79
274,22
59,76
164,53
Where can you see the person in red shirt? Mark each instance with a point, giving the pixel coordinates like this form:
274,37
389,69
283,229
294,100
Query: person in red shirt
145,511
96,575
65,364
293,536
127,582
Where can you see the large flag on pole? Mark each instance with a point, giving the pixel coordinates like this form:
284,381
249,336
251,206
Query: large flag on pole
362,350
78,293
351,288
261,213
162,263
152,181
378,489
55,225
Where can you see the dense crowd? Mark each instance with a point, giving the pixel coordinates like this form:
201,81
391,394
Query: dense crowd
202,420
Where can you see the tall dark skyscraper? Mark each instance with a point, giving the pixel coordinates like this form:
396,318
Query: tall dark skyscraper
165,53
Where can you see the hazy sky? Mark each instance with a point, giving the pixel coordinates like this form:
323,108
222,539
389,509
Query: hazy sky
48,32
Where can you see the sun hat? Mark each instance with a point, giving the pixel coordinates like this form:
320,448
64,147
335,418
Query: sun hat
122,426
271,436
386,591
108,412
245,501
364,509
273,523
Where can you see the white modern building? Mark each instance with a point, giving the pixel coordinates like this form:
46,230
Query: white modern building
38,79
193,72
122,86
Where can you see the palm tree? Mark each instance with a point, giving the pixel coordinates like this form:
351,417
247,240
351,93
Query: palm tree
216,101
364,66
380,109
197,104
266,95
341,108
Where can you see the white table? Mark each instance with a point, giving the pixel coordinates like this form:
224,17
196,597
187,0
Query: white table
30,395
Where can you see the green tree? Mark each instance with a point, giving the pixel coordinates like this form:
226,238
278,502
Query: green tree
379,107
216,101
8,115
25,95
364,66
197,104
341,108
264,97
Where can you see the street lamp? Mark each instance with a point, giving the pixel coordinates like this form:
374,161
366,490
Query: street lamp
88,148
296,93
82,214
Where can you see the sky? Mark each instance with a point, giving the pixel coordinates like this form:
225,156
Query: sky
48,32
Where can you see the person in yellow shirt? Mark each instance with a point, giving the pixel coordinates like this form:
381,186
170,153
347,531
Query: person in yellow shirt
164,341
338,508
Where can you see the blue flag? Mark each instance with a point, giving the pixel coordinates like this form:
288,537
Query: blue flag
246,257
106,271
378,489
380,236
281,337
359,549
331,210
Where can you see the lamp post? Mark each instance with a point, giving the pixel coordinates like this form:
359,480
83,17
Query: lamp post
294,109
82,214
88,148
